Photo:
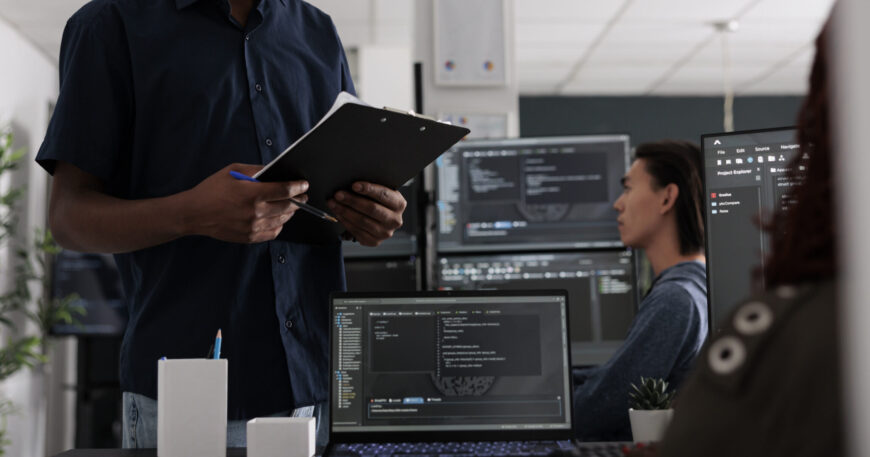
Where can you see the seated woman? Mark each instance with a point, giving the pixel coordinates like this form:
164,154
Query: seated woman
769,384
659,212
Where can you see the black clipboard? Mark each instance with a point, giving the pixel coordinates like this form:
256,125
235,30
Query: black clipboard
356,142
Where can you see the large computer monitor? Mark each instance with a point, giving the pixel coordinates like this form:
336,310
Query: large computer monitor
382,275
404,241
745,181
530,194
94,278
602,291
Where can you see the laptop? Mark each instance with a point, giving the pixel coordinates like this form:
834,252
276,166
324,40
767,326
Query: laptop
462,373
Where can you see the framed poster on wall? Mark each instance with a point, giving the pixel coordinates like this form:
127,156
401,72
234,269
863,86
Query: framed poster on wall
470,43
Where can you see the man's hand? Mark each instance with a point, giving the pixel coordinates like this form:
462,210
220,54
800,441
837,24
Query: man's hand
83,217
227,209
372,214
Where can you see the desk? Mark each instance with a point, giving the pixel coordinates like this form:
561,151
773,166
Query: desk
231,452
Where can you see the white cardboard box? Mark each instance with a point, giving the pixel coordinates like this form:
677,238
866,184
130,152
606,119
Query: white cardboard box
192,408
281,436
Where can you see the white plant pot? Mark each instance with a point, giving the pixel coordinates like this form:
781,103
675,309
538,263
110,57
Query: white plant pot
649,425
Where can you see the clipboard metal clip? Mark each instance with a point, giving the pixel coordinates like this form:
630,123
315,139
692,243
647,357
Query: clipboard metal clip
409,113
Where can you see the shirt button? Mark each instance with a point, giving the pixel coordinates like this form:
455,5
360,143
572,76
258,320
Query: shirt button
248,37
268,142
281,259
259,88
288,324
753,318
726,355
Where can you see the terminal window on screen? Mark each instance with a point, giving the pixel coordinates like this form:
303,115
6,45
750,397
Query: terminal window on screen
602,297
452,365
526,196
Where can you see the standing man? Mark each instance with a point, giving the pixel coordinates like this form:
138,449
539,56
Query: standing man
159,100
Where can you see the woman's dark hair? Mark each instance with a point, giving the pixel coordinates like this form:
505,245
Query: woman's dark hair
803,238
679,162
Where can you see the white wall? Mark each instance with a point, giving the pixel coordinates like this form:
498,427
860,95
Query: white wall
370,22
380,31
28,83
466,100
852,97
386,76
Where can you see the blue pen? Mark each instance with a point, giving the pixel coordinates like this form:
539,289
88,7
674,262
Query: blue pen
304,206
242,176
217,345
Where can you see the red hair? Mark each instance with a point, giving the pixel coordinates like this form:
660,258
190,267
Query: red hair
803,241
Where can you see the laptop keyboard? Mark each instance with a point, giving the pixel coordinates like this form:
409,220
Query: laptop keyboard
456,448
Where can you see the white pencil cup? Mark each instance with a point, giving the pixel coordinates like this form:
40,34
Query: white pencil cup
284,436
192,408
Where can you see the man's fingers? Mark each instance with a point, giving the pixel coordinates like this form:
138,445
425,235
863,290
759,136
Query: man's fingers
390,198
362,236
247,169
278,207
368,240
349,216
365,206
264,229
269,224
272,191
269,191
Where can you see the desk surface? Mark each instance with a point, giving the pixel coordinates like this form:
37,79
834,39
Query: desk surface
231,452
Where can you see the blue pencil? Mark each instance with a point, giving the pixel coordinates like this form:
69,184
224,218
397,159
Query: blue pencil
217,345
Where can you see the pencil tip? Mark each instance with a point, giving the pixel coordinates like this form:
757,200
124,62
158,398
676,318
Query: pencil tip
332,219
219,334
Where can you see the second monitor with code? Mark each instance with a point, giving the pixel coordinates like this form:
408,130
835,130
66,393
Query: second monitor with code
530,194
601,287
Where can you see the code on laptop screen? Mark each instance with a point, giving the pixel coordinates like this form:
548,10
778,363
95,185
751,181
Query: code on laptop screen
450,363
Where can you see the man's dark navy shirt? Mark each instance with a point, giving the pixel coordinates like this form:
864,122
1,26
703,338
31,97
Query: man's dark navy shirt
157,95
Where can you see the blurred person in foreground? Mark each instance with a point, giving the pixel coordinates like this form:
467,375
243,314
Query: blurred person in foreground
768,384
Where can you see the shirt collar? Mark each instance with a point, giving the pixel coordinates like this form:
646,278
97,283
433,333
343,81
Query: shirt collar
181,4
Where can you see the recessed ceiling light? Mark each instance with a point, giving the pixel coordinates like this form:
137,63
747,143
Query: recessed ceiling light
726,26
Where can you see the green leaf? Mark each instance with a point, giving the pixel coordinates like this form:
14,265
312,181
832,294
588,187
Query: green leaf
18,354
650,394
17,155
6,408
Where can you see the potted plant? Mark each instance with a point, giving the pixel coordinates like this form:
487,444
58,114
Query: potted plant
650,409
22,346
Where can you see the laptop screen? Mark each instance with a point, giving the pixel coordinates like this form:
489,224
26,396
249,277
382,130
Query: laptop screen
450,361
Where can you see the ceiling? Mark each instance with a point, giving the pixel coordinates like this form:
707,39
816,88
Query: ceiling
665,47
582,47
